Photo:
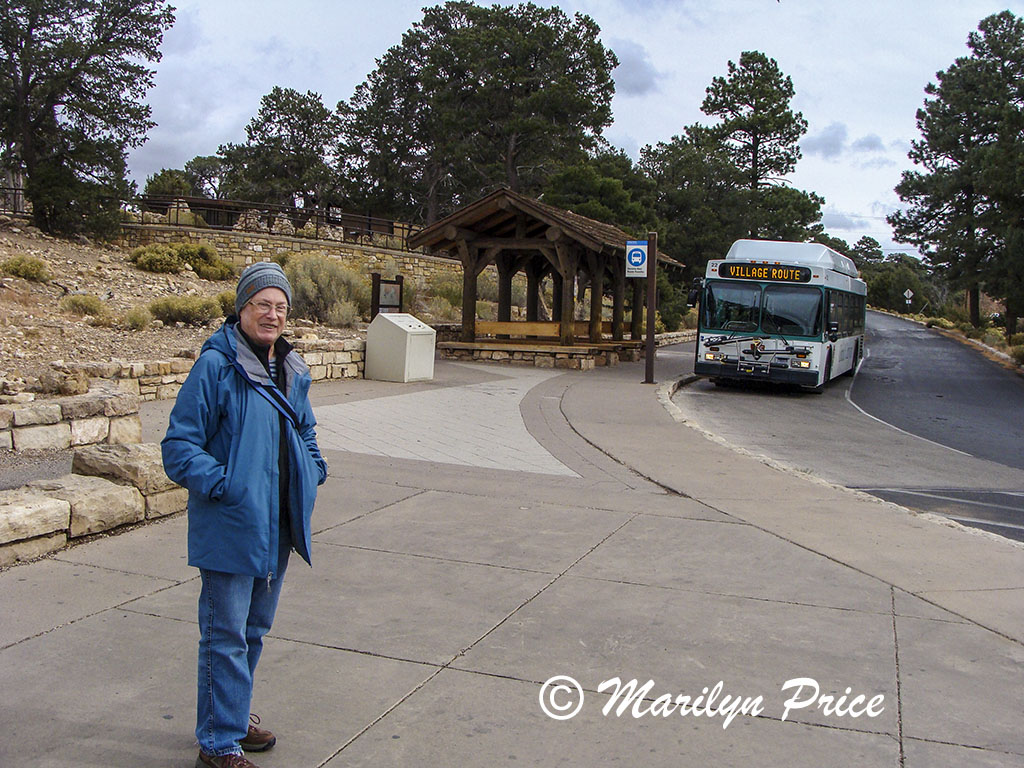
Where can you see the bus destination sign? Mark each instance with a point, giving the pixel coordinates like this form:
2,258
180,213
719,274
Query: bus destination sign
779,273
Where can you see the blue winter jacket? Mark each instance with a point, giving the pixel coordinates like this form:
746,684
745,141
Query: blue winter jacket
222,445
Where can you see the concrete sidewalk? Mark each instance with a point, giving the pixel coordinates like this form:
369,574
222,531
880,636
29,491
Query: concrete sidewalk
488,531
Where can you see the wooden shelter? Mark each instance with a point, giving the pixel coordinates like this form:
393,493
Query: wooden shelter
518,233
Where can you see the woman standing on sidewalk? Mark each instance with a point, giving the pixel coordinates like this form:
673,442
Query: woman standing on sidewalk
241,439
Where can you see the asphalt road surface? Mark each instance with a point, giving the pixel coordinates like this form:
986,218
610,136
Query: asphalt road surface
928,422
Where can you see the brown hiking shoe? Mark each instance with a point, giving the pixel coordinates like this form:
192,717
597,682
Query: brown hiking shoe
257,739
223,761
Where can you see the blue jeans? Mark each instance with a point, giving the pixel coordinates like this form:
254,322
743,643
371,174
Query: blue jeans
235,612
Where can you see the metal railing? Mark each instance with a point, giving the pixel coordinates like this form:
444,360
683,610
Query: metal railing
13,202
246,216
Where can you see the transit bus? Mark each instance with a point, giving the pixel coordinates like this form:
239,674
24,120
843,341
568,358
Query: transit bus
781,312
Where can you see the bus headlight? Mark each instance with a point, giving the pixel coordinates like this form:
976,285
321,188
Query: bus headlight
710,357
800,363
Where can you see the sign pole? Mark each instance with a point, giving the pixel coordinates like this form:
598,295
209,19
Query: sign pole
652,304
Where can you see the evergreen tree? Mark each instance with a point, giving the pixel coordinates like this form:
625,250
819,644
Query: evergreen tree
488,96
168,182
607,187
760,130
205,175
73,76
286,158
700,201
964,203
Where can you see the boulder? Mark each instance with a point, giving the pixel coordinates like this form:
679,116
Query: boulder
26,514
97,504
138,464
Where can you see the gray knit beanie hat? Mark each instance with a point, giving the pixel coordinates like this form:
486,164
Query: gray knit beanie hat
256,277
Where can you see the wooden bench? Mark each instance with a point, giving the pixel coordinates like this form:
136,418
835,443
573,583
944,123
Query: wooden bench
539,329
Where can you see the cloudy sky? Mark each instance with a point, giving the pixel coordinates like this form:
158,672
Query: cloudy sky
859,68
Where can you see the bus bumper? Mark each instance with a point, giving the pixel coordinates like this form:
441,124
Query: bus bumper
756,372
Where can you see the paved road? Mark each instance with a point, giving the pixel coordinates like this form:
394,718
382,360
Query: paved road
896,432
943,390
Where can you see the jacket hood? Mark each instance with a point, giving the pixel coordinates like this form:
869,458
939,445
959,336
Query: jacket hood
228,340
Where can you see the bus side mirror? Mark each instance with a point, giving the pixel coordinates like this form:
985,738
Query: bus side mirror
833,332
694,294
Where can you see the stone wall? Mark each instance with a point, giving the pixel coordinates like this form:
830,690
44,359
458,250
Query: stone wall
378,252
110,486
104,415
161,379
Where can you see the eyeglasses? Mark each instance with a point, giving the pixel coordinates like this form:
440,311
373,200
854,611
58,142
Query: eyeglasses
265,307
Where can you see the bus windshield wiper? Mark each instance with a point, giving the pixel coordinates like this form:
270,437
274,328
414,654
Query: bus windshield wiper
715,340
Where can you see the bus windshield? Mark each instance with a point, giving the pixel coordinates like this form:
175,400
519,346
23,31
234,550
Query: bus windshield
732,306
786,310
791,310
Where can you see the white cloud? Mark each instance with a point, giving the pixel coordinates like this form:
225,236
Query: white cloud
870,143
635,75
828,143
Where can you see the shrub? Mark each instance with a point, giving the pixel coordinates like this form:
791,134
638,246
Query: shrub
447,286
939,322
202,257
138,318
689,321
486,310
319,283
486,287
204,260
191,310
27,268
441,310
156,257
992,338
1017,340
83,304
343,314
226,299
1017,353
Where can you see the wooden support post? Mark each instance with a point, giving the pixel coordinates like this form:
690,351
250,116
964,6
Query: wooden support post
469,259
506,270
595,264
618,271
556,296
534,275
568,260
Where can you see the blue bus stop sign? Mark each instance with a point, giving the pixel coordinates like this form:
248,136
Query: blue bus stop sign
636,258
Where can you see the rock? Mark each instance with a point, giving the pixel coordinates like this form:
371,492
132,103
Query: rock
30,549
41,413
90,431
139,464
97,504
42,437
166,503
125,430
25,514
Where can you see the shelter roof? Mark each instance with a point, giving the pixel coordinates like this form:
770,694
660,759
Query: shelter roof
501,214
